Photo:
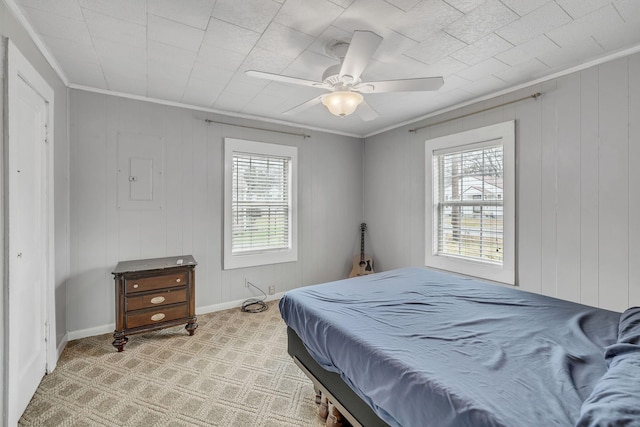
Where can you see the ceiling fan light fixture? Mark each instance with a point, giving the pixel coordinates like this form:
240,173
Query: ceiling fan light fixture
342,103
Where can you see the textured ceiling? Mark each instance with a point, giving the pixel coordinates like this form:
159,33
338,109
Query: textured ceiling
195,52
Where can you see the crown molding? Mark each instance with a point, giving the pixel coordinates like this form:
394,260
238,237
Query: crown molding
209,110
592,63
48,56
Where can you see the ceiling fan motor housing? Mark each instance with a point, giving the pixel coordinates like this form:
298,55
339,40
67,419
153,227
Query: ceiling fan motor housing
332,75
337,49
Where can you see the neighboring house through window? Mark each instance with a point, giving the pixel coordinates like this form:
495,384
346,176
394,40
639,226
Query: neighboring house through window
260,203
471,202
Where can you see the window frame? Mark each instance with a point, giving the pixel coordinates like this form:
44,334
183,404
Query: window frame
501,133
256,258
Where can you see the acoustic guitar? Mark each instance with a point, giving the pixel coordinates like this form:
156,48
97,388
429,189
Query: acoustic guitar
362,264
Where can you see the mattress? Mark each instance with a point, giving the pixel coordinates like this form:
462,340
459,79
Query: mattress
427,348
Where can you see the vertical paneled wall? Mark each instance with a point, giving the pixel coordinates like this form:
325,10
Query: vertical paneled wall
191,220
578,185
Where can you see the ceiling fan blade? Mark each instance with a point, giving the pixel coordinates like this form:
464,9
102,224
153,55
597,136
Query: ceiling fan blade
366,112
404,85
361,48
286,79
310,103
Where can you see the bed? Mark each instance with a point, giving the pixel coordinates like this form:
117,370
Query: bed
418,347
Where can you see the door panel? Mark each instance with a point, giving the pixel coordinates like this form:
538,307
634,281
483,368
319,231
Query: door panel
28,243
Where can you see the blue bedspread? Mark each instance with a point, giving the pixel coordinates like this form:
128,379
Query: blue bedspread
426,348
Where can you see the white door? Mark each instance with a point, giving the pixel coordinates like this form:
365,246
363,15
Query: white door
29,243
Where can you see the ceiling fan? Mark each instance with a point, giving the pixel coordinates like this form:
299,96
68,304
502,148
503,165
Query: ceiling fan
343,80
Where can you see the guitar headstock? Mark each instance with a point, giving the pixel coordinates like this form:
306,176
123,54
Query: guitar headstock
363,227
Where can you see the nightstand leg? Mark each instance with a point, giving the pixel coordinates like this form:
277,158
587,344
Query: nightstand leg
191,326
119,340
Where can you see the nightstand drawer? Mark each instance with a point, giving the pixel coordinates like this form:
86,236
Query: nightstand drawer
161,314
156,299
156,282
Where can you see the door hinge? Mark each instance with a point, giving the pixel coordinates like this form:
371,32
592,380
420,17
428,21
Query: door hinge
46,133
46,331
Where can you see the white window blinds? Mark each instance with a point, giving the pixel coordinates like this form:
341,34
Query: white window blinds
261,203
468,197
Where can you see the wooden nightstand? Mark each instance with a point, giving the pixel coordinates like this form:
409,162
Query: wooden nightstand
154,294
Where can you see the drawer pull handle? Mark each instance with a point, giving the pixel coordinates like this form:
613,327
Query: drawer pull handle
178,280
135,286
157,300
157,316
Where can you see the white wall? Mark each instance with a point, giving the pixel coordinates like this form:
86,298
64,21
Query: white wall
578,185
10,28
330,203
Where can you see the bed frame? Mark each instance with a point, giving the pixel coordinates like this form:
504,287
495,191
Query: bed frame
350,405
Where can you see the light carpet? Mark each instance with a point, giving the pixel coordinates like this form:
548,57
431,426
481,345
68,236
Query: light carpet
235,371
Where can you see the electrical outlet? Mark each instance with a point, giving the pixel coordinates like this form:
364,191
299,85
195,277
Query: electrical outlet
246,283
272,290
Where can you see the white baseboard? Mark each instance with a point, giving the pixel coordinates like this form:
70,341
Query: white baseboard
90,332
109,328
231,304
62,345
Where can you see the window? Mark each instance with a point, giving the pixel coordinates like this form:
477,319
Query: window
260,203
471,202
469,216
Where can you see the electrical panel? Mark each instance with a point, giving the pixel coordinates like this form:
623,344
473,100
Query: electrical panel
140,171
